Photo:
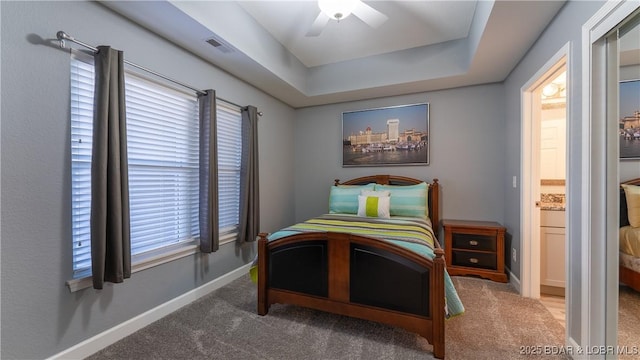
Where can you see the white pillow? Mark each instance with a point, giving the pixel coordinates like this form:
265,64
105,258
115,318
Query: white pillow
375,193
374,206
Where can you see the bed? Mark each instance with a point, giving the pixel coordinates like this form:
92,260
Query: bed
343,270
630,235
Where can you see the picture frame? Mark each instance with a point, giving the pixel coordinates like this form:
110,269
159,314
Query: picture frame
387,136
629,122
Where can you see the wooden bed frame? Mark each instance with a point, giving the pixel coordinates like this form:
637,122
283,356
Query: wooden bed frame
359,276
627,276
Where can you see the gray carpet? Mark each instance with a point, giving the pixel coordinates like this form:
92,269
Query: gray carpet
629,322
224,325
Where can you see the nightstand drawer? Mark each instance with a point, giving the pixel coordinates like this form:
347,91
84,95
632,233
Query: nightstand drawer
474,242
474,259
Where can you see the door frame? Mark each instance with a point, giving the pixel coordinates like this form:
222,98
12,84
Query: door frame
530,170
600,194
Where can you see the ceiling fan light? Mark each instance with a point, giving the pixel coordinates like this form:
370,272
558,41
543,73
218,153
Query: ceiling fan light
337,9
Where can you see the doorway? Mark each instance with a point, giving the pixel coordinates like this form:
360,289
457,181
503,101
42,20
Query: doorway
553,163
544,175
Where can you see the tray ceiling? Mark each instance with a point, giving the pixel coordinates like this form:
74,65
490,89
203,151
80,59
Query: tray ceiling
423,46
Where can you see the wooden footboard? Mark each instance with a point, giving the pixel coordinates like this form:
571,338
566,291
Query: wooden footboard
355,276
629,278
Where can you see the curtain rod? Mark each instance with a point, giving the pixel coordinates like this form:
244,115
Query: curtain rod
62,36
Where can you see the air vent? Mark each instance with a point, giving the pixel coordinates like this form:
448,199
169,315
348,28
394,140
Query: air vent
218,44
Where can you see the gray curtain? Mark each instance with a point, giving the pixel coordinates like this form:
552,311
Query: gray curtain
249,179
110,234
209,236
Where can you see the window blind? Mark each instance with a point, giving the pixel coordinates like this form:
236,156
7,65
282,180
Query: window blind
163,152
229,158
82,87
162,145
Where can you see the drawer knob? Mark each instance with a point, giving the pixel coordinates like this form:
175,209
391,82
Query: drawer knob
473,242
473,260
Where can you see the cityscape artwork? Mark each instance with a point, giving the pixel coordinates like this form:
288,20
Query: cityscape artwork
396,135
629,119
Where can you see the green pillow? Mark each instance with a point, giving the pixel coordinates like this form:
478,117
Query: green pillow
410,200
343,199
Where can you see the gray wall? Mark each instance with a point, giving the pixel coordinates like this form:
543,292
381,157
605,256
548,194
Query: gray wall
466,151
40,317
565,27
475,150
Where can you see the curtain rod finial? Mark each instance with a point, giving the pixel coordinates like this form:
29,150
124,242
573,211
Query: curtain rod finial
61,35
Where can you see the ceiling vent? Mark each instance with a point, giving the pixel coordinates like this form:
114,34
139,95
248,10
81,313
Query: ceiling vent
218,44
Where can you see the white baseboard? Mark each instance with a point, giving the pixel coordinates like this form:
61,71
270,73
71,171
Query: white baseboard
572,344
515,282
108,337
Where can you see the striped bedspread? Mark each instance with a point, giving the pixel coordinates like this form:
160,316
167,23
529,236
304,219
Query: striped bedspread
412,233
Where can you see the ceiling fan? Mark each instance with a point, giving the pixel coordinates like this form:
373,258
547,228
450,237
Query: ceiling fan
340,9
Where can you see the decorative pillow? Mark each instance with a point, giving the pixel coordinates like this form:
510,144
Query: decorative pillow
410,200
374,206
632,194
343,199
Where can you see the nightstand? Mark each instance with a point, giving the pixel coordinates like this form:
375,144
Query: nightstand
475,248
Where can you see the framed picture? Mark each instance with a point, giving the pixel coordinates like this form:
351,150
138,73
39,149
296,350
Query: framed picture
630,119
397,135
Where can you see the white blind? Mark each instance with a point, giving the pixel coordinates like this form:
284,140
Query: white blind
82,80
229,157
162,131
162,145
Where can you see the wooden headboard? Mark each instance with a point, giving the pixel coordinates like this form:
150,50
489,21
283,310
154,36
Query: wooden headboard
433,192
624,218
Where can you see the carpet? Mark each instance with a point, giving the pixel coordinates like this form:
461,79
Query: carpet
629,322
497,324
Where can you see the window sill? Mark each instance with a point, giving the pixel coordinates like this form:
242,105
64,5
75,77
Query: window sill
142,263
228,238
151,259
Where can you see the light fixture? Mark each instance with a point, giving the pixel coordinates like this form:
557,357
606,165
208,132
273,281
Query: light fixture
337,9
550,90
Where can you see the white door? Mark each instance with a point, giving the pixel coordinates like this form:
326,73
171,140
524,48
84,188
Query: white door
552,252
553,146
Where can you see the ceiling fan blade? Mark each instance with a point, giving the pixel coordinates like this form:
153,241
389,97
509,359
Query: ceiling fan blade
318,24
369,15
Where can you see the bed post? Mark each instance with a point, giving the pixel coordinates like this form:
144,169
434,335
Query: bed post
263,258
438,310
434,206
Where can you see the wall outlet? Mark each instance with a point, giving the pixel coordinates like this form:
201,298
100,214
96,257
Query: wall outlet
513,254
515,181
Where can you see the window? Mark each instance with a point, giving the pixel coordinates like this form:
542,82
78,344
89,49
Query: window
82,75
229,157
162,145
